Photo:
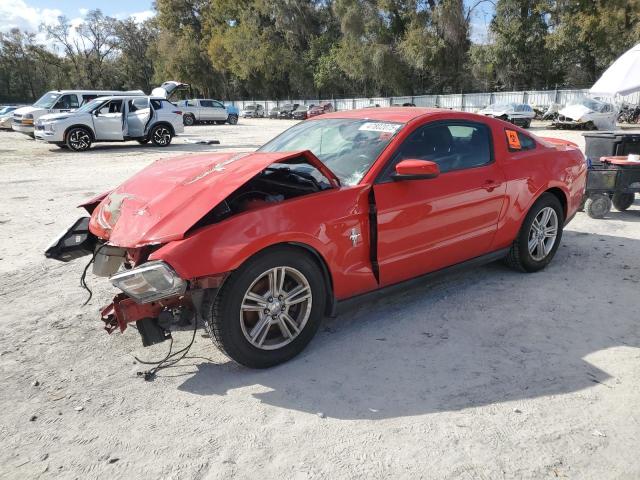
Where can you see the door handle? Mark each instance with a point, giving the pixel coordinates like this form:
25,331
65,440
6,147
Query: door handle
491,185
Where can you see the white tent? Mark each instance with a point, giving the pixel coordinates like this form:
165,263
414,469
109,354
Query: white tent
622,77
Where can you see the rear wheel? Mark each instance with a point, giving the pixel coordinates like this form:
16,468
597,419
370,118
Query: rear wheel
622,201
233,119
597,205
539,235
78,139
269,309
161,136
188,120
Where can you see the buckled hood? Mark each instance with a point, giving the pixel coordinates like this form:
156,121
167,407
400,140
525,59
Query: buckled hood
163,201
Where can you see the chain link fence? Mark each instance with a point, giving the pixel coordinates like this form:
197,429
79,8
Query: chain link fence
467,102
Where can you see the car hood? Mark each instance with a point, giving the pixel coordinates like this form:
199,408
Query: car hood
163,201
575,112
56,116
25,110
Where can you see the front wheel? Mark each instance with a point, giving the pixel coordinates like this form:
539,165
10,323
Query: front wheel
78,139
233,119
622,201
161,136
539,236
269,309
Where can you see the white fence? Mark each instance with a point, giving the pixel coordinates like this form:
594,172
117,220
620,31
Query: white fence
468,102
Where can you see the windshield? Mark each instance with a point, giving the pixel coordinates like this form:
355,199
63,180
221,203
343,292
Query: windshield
501,106
592,104
48,100
348,147
250,107
89,107
4,110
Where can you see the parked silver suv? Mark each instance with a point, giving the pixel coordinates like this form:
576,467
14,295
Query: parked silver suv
113,119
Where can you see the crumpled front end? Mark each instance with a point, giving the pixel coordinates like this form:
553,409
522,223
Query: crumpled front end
165,203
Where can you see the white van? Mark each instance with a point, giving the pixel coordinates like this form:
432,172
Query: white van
58,101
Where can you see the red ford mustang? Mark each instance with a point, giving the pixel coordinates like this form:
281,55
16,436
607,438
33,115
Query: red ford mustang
262,245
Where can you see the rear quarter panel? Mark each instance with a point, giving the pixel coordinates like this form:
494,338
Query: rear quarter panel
530,173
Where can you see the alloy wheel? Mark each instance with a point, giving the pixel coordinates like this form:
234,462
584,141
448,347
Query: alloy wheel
79,140
543,233
275,308
162,136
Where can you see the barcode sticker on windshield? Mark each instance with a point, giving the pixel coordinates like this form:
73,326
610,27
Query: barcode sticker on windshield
379,127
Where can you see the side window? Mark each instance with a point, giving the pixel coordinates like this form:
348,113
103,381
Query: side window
206,103
518,141
453,146
191,103
88,98
67,101
217,104
138,104
156,104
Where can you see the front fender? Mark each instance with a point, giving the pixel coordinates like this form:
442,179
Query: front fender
324,222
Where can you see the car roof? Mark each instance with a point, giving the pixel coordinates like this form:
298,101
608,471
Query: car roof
388,114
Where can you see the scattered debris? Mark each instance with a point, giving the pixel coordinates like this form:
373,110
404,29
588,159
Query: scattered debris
79,408
321,415
35,383
33,418
598,433
113,460
517,410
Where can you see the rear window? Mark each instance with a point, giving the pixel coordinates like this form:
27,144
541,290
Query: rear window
518,141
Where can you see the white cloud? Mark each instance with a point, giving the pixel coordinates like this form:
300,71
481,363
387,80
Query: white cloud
83,11
17,14
137,17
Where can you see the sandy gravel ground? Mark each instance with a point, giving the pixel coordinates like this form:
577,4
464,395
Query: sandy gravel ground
487,374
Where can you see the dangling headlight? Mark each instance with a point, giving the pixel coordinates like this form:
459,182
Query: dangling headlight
150,281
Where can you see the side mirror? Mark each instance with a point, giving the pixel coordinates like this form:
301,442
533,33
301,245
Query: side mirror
416,170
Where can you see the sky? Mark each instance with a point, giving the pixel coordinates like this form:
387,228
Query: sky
29,14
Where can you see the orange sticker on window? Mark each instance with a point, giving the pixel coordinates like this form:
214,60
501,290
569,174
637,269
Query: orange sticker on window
513,139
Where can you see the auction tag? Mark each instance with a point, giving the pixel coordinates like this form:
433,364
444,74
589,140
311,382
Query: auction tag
380,127
513,140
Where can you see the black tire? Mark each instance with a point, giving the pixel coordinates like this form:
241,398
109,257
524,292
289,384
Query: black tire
519,256
161,135
622,201
232,119
78,139
188,120
143,141
597,205
223,317
527,124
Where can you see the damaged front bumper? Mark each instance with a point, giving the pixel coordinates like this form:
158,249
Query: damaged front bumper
150,289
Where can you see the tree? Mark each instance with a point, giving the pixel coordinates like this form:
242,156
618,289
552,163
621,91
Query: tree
90,47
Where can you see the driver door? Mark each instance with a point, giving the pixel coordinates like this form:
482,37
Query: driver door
108,121
425,225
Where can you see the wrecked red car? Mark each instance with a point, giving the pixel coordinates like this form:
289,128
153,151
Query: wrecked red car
261,246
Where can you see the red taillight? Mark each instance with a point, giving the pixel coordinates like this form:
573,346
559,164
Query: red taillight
177,112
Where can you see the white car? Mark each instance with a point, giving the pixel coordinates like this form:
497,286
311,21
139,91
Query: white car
253,110
588,113
6,116
113,119
517,113
57,101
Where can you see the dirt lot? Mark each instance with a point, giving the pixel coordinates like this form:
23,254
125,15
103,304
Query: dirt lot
487,374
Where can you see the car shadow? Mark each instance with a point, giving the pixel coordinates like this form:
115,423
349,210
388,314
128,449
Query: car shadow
484,336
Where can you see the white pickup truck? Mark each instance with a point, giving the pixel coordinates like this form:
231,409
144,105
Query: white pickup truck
206,110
